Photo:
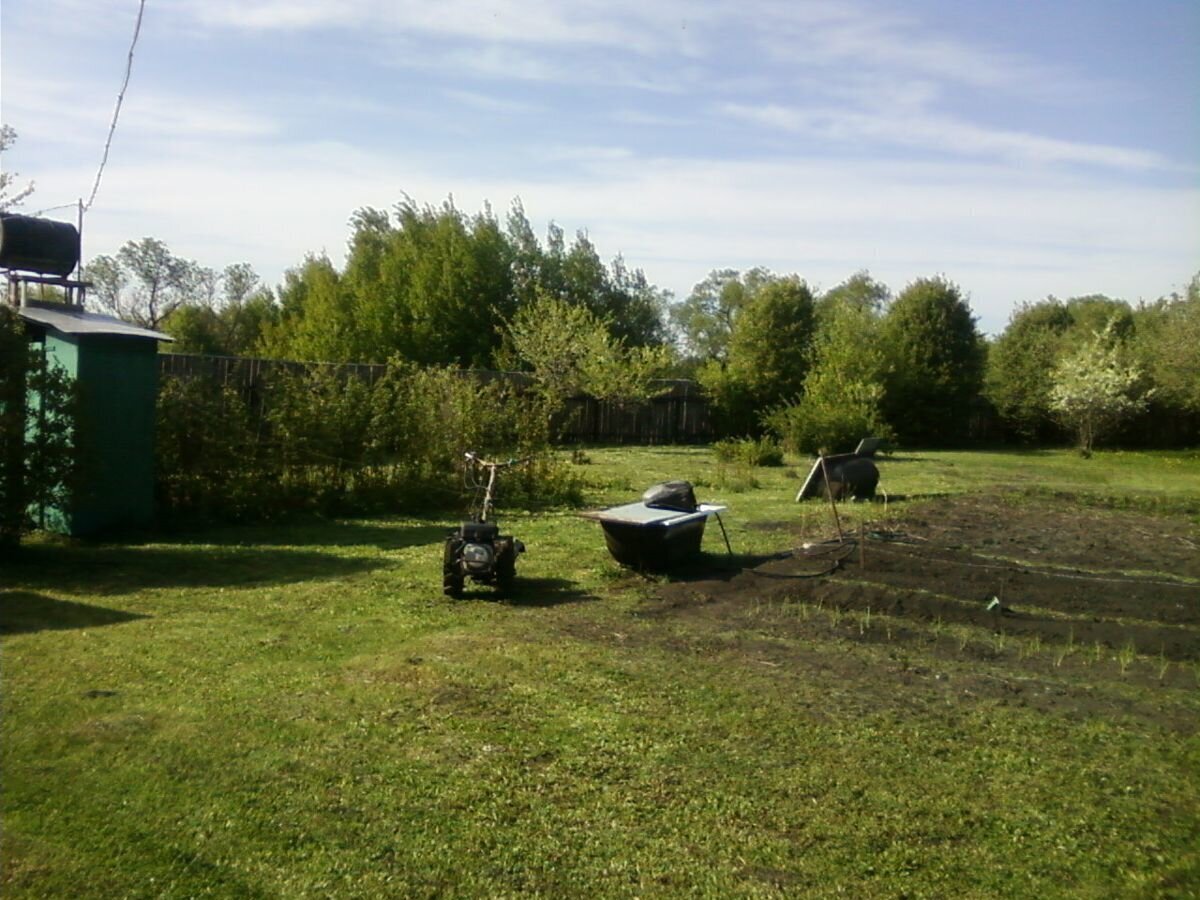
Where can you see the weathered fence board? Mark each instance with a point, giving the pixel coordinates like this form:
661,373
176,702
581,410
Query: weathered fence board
678,415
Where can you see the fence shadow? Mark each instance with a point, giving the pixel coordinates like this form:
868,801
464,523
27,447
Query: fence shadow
26,612
109,570
317,533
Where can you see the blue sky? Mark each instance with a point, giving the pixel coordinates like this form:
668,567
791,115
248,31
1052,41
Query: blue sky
1019,148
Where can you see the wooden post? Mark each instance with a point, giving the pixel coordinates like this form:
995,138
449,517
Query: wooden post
832,505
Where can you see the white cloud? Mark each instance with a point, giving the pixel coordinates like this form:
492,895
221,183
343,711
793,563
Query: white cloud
911,127
583,22
1004,233
1012,212
491,103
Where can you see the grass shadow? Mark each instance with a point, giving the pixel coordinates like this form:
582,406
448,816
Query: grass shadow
27,612
120,569
880,498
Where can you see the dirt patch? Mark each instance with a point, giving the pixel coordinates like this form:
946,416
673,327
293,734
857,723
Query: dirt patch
1034,603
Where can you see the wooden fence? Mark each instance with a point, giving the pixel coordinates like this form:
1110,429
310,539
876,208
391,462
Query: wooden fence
677,415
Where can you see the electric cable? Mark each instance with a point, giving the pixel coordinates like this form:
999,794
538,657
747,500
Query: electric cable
55,208
112,128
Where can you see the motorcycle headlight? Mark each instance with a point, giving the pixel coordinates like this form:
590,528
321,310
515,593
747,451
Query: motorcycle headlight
477,556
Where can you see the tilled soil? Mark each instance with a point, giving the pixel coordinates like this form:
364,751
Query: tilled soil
1037,603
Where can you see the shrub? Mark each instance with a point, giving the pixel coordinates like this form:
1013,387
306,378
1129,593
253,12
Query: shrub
749,451
39,466
326,440
820,424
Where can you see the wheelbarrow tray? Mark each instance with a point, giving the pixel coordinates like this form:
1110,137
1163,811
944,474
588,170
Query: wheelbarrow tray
650,538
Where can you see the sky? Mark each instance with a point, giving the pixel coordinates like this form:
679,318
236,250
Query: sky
1019,148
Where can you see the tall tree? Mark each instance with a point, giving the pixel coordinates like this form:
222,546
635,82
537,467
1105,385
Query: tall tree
1167,344
144,282
1095,388
704,320
1019,366
843,389
228,316
569,351
1093,313
433,284
316,320
936,358
767,357
10,195
860,290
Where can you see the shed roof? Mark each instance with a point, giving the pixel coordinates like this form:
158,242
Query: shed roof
72,320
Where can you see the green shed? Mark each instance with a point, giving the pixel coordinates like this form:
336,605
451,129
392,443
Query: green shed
115,366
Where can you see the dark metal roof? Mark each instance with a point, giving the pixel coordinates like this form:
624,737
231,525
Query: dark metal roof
72,320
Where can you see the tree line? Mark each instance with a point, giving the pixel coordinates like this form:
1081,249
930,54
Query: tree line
433,285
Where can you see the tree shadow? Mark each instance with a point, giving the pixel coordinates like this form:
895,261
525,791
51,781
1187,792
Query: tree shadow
101,570
316,533
26,612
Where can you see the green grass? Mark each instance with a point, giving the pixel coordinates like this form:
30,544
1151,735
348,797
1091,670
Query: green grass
295,711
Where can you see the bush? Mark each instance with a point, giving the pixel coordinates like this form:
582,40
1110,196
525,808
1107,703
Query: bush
40,467
325,440
816,425
749,451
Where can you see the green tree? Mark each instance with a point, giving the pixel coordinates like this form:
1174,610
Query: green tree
636,309
569,352
1167,345
860,290
229,316
632,309
144,282
196,329
434,285
1095,389
844,386
767,358
1093,313
431,285
935,363
704,321
316,321
1020,362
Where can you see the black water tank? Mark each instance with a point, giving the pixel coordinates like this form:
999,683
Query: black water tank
38,245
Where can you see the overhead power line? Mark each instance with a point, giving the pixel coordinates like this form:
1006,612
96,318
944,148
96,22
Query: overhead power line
112,128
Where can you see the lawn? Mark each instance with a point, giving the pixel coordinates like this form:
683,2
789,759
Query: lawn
294,710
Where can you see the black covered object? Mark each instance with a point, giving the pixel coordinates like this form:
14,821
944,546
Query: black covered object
676,495
655,546
662,530
38,245
849,476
